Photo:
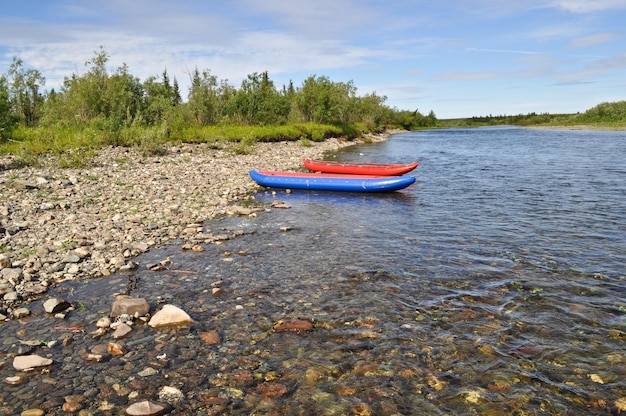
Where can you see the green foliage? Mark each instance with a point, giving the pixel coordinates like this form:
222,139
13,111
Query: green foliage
606,113
8,121
97,108
323,101
76,158
245,146
414,120
25,98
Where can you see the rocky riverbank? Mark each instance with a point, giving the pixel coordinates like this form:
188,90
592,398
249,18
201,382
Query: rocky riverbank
66,224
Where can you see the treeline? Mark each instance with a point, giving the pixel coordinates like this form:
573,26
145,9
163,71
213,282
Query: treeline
115,106
517,120
604,115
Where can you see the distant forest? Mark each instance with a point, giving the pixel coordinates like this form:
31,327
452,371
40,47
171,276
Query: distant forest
604,115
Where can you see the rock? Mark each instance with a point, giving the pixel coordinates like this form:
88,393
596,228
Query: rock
10,296
210,337
147,372
12,275
122,330
72,258
72,403
141,247
280,205
170,315
54,305
218,292
21,313
33,412
5,288
81,252
130,306
14,380
170,394
24,184
271,389
98,353
103,323
299,325
116,349
96,358
146,408
29,362
5,261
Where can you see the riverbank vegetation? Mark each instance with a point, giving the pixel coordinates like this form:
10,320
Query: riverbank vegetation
100,108
602,116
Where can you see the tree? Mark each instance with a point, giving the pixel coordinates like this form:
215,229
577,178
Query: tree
258,102
203,97
8,120
160,98
26,100
123,99
324,101
371,109
109,102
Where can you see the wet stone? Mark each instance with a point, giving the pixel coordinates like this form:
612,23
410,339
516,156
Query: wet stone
146,408
121,330
33,412
29,362
54,305
21,313
210,337
130,306
298,325
170,315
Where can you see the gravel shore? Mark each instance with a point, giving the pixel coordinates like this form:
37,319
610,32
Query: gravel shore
61,224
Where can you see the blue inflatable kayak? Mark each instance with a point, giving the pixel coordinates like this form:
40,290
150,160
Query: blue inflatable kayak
331,182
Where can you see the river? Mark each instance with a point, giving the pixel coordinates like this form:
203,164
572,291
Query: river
493,285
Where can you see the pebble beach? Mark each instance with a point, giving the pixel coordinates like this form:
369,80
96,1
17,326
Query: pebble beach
63,224
59,225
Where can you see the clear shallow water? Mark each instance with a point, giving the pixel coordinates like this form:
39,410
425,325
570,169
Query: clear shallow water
493,285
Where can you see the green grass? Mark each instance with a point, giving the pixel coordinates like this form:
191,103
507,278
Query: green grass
76,147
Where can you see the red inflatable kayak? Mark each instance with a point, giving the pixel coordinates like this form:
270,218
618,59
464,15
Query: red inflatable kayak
379,169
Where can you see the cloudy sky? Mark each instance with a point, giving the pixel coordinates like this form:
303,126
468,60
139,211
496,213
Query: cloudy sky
458,58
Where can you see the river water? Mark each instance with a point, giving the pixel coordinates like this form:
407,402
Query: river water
493,285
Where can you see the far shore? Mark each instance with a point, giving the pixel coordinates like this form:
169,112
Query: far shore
578,127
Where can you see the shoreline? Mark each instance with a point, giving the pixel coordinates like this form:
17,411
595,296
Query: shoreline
577,127
71,224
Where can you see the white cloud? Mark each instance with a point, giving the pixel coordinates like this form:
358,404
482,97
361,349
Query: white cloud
589,6
593,40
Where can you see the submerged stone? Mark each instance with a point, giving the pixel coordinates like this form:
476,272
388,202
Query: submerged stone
29,362
170,315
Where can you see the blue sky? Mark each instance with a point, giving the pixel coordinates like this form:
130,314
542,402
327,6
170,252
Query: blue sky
458,58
